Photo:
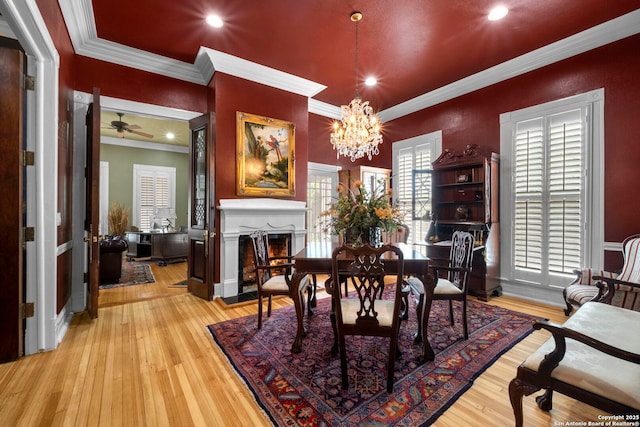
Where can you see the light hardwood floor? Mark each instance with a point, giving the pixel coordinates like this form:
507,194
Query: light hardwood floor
148,360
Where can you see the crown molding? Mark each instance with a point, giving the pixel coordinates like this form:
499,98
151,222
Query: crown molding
5,29
251,71
324,109
78,16
80,21
608,32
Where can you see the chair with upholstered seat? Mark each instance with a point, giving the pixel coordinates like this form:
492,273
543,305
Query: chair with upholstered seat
273,274
452,280
370,311
593,285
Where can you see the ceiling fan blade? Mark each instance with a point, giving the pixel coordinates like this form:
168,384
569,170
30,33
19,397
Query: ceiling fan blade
134,127
146,135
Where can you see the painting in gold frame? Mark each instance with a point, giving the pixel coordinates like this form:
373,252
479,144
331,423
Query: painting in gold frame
265,161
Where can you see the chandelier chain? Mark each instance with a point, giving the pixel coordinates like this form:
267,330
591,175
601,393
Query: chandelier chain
357,133
357,92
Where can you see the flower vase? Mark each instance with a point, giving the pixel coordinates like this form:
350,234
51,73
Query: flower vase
353,236
375,237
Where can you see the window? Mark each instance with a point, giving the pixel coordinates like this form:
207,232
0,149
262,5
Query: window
550,179
153,188
408,156
321,192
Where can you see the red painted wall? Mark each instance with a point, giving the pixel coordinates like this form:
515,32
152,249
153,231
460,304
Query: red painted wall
128,83
233,94
474,118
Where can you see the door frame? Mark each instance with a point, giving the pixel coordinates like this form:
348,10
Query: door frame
82,101
27,25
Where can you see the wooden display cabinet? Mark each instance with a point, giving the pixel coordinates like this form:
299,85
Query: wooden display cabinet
465,197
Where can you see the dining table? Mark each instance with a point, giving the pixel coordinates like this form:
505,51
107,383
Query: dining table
315,258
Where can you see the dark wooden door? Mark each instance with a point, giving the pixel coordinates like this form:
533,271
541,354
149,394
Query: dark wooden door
92,214
12,66
201,206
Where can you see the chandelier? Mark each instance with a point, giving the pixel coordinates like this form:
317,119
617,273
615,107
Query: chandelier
357,133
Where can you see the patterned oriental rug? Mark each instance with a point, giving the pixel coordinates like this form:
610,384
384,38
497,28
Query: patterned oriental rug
133,273
305,389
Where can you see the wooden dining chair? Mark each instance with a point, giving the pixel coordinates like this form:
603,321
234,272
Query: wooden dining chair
368,311
452,280
273,274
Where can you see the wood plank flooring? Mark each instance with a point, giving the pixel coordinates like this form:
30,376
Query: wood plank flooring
148,360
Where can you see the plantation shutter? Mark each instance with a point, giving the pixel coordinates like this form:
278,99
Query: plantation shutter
529,188
417,157
566,172
549,176
147,202
154,188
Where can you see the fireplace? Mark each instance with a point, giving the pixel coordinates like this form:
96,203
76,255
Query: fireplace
240,217
279,246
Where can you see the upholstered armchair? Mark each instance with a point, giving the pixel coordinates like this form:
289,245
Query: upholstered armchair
608,287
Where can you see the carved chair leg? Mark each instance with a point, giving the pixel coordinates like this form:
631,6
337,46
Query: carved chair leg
269,307
464,319
518,389
259,310
451,311
392,360
405,311
334,347
311,295
545,401
343,364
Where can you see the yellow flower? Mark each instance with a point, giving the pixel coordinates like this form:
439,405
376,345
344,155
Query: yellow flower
384,213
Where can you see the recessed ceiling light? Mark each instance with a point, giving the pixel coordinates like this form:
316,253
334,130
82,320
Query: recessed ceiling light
170,135
498,12
215,21
371,81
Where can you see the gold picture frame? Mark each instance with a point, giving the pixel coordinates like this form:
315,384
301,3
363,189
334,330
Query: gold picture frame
265,161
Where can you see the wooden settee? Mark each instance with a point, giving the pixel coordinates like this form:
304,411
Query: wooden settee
594,357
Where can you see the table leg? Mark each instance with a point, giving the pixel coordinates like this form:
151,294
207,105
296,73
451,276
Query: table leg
296,290
429,286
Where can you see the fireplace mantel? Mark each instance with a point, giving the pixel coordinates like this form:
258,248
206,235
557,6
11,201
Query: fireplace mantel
243,216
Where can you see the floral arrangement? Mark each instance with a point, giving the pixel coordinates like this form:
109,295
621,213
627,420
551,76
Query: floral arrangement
356,212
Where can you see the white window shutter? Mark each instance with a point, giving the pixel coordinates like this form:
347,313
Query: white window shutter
154,188
549,184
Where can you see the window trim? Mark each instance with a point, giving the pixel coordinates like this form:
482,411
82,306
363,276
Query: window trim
594,183
324,170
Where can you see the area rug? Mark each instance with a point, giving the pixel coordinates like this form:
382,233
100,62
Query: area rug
133,273
305,389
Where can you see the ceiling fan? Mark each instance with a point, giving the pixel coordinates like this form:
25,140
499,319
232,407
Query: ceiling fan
122,127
